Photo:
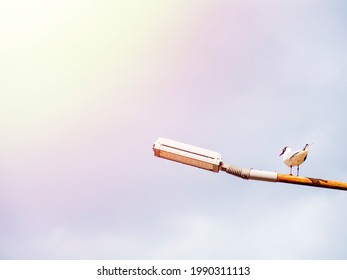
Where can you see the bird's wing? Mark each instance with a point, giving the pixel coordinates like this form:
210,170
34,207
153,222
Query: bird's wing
294,154
299,156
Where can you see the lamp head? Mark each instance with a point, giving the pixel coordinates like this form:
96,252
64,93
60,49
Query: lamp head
187,154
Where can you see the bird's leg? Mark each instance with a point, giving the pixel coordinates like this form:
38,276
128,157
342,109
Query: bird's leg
297,171
290,170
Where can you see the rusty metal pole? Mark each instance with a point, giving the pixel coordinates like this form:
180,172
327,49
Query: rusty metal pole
312,182
270,176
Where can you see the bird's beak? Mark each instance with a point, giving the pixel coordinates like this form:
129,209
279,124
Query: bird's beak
284,149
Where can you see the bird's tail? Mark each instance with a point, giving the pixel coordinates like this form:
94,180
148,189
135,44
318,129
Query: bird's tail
307,145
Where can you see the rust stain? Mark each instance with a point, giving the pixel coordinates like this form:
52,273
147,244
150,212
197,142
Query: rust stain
318,182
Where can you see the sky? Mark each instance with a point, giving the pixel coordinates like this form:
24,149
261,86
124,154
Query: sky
86,87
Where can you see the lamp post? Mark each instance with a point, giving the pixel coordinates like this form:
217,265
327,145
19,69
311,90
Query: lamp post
212,161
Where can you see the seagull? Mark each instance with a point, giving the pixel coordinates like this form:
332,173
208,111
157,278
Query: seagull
294,158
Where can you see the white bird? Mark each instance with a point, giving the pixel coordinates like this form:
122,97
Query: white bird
294,158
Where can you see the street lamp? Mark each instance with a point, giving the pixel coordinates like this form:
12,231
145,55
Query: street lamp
212,161
187,154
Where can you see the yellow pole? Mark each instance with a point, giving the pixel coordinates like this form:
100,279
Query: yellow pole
313,182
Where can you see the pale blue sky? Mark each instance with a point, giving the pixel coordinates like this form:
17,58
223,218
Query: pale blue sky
87,87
